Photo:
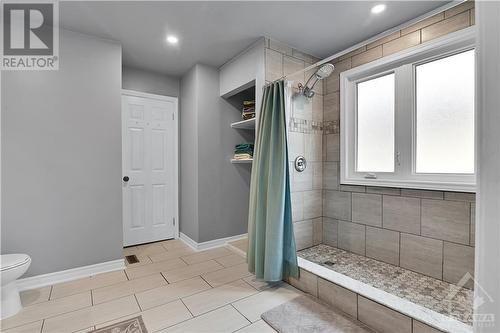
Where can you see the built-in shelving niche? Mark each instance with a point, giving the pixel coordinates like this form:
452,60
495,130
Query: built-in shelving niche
246,127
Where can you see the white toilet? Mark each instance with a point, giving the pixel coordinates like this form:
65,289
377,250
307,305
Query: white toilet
12,266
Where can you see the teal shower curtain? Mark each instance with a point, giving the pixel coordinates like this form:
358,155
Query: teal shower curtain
271,244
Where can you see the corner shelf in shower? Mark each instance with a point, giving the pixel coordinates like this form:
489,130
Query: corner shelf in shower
235,161
244,124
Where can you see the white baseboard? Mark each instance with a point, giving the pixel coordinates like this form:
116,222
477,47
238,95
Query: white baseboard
209,244
48,279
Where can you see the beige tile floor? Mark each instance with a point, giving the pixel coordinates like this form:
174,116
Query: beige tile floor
173,287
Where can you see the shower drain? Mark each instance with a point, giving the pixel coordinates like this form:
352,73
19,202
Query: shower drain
328,263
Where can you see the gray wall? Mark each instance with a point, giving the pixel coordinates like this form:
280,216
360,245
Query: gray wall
222,188
188,173
61,158
149,82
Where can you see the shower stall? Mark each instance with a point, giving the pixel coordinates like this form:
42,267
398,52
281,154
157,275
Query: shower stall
334,223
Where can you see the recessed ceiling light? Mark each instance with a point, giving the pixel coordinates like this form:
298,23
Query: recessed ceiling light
172,39
377,9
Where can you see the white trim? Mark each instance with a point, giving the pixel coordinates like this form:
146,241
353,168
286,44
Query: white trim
401,64
209,244
487,251
174,99
49,279
394,302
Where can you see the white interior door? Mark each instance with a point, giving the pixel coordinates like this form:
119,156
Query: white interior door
149,143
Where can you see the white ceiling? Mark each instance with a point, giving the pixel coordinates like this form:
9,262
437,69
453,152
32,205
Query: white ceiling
213,32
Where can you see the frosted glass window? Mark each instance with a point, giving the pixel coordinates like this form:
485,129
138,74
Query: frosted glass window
375,125
445,115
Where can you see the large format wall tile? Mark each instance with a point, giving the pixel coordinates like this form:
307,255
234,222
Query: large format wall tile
331,107
457,261
422,255
317,103
317,224
317,174
330,175
367,209
352,237
384,40
401,214
293,65
313,147
274,65
401,43
307,282
419,327
460,196
302,181
303,231
296,145
332,147
297,199
337,205
330,231
442,28
367,56
382,245
422,193
383,190
447,220
338,297
381,318
313,204
422,24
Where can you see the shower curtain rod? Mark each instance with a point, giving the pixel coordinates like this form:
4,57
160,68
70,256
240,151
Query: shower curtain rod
374,38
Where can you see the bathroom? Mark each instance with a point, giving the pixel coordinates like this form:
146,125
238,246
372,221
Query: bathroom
382,175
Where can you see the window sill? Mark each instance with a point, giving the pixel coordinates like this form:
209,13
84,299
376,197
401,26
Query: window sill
420,185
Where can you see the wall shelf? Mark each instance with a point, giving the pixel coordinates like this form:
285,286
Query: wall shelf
235,161
244,124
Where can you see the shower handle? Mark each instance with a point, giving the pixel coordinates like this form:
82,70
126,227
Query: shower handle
300,163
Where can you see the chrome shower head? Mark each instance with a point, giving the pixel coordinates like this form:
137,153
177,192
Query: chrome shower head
322,73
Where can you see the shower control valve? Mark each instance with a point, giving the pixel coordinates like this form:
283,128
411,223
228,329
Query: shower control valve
300,163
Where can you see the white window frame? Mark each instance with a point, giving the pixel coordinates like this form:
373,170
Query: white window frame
403,64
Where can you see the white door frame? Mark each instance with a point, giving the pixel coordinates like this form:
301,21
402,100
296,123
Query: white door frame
175,100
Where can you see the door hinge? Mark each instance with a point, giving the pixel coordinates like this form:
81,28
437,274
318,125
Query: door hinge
173,116
173,220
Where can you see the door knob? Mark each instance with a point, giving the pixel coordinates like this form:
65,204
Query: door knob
126,179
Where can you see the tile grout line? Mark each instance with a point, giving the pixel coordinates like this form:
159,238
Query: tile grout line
41,327
250,322
164,278
50,292
201,277
192,315
138,304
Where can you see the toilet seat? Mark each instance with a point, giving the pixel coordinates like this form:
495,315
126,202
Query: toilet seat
11,261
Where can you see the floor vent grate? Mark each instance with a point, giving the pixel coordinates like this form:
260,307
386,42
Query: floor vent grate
132,259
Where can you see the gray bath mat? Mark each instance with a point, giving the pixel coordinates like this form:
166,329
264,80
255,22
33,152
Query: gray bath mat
132,325
305,315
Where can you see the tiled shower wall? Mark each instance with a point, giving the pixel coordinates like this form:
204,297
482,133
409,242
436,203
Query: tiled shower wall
430,232
305,138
